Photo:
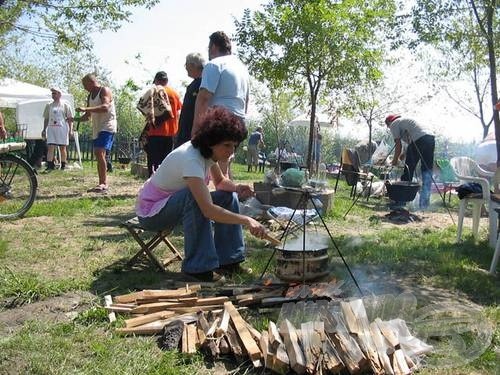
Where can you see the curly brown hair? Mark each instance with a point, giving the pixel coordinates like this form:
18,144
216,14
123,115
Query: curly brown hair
218,125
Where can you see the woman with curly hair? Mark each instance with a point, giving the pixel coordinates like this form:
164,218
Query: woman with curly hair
178,193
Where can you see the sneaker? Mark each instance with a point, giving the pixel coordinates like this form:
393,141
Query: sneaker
235,268
208,277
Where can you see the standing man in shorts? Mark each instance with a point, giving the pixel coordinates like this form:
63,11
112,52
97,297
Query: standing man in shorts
101,110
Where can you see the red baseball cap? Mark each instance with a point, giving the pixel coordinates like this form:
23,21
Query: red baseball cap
391,118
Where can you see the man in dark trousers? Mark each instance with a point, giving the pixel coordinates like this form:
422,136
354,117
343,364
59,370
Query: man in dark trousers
194,67
420,147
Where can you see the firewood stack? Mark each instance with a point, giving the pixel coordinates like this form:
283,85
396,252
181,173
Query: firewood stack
339,337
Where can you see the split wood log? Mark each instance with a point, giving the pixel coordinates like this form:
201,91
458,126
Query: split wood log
331,361
264,346
224,324
213,327
108,301
382,346
149,308
274,336
399,363
234,342
249,343
295,354
255,333
157,326
363,334
347,347
140,320
309,339
224,347
156,294
209,342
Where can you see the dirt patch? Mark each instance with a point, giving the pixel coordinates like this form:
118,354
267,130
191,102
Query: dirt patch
54,310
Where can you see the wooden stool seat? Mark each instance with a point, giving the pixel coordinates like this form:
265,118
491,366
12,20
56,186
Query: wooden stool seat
147,247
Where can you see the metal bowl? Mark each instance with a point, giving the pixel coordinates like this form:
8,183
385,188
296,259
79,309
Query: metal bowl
402,191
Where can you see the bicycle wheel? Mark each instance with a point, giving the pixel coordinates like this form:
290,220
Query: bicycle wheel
18,186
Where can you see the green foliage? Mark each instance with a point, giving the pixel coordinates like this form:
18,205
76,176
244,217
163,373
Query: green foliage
66,23
467,34
320,44
92,316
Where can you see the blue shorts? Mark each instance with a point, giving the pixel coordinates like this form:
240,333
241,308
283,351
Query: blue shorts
104,140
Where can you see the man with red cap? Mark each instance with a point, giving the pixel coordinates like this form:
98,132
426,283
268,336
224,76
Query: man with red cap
420,147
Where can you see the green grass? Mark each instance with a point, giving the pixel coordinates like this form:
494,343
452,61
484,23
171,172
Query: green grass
71,242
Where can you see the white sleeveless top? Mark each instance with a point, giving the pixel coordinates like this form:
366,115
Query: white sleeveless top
102,121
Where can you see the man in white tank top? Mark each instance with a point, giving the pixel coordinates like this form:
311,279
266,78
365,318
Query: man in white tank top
101,110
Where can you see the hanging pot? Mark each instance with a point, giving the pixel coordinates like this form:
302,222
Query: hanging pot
402,191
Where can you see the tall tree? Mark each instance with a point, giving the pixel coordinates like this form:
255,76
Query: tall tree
471,29
65,22
318,44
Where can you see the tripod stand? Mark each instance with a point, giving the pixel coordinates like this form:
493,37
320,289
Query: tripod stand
307,194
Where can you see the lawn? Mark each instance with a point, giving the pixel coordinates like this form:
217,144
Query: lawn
58,262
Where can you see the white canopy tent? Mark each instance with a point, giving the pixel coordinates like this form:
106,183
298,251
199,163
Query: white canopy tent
30,101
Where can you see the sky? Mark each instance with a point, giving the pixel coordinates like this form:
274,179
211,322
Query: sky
164,35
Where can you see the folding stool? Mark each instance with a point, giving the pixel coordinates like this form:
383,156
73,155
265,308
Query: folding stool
147,247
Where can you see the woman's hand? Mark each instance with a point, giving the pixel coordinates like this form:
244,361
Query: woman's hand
244,191
256,228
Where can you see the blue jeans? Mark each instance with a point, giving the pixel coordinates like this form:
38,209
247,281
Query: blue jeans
206,246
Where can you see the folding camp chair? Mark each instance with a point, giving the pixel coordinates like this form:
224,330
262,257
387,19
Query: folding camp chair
148,246
350,169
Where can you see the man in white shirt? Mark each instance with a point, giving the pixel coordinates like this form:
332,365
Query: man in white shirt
224,82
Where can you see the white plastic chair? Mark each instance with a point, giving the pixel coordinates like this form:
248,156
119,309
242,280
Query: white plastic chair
467,170
493,214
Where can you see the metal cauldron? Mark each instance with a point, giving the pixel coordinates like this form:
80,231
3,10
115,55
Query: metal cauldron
293,264
402,191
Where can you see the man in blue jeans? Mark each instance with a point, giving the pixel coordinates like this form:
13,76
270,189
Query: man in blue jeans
420,147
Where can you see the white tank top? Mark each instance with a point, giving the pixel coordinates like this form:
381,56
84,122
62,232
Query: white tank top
102,121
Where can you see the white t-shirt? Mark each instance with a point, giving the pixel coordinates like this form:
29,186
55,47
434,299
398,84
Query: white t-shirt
184,161
407,130
227,79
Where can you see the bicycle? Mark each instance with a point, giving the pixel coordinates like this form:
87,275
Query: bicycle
18,182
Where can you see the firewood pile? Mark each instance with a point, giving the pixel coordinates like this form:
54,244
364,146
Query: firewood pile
336,337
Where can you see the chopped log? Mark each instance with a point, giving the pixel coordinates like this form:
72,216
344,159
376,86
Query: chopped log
140,320
149,308
249,343
364,335
309,339
274,336
108,301
146,329
224,347
347,347
264,346
234,342
382,346
155,294
281,362
209,342
295,354
213,327
388,333
224,324
255,333
331,361
399,363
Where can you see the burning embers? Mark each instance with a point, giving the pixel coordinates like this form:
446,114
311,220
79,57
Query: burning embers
402,216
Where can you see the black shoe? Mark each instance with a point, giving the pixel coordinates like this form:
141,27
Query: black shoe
208,277
234,268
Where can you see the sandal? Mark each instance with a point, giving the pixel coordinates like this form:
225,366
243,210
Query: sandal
98,189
